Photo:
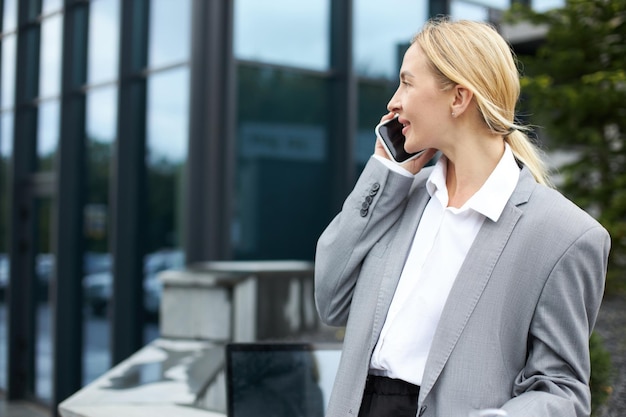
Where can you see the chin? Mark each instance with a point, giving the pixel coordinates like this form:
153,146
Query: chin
410,148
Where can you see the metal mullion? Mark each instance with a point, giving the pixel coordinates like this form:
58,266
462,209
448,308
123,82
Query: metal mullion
68,211
21,302
438,8
343,101
128,184
211,133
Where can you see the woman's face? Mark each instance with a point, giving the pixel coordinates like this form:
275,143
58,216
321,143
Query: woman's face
424,109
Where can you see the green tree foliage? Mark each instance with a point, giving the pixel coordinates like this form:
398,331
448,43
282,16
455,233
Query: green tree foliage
601,372
576,89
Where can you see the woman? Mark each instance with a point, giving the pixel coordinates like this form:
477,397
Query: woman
470,284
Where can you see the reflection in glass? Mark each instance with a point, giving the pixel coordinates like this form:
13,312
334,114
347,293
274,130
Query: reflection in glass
299,376
383,32
294,33
166,144
103,40
48,134
101,119
493,4
6,151
469,11
9,22
51,6
7,95
283,166
50,64
167,114
170,30
373,98
3,333
44,267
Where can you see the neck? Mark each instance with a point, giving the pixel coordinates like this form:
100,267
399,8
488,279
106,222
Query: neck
469,166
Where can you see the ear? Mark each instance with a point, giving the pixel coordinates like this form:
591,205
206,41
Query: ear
461,99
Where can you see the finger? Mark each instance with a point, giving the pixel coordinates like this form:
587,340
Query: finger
388,116
418,163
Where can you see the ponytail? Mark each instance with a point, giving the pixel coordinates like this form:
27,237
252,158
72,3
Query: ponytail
528,154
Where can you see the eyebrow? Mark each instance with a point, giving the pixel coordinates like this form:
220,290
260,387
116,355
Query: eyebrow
404,74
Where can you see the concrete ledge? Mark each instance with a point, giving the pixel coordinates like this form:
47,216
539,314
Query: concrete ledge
138,411
166,378
238,300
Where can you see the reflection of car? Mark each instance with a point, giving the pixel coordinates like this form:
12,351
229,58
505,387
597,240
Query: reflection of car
97,290
95,262
152,287
97,281
44,269
4,274
98,286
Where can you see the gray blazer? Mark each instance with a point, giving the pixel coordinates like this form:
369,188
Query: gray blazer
515,329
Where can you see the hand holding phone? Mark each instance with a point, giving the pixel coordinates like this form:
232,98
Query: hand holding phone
390,134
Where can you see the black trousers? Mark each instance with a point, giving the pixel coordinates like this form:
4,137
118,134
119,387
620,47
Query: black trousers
387,397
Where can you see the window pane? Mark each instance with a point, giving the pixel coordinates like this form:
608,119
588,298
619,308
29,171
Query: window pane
167,136
168,94
97,282
9,21
6,151
104,27
494,4
283,169
8,71
170,30
289,32
50,75
373,99
44,267
43,345
51,6
48,134
382,34
4,264
469,11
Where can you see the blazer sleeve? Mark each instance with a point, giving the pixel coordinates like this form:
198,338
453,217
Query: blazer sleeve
370,210
555,380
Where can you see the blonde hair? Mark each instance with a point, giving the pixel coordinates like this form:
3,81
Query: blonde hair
474,55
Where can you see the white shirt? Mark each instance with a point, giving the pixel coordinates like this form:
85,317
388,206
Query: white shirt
441,243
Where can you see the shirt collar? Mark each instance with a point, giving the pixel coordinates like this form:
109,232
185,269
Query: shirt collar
491,198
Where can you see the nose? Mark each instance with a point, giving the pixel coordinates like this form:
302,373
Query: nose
394,105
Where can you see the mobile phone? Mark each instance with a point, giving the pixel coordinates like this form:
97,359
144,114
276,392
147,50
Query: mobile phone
390,134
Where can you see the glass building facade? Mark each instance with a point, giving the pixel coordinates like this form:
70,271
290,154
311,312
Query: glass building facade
143,135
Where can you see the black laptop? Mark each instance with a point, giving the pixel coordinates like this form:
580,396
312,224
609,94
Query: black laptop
280,379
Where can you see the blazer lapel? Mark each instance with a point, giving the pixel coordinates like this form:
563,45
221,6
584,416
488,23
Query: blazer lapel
471,281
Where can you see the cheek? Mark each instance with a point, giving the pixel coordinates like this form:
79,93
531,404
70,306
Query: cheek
426,126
